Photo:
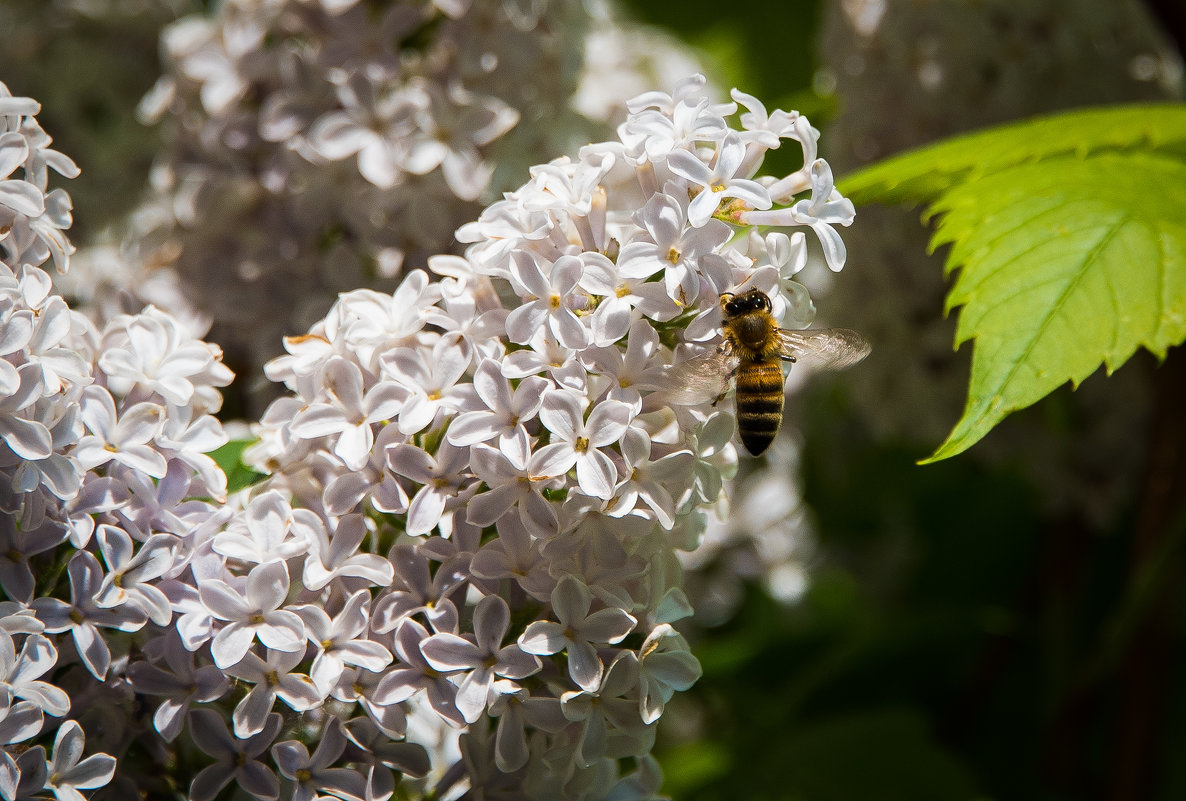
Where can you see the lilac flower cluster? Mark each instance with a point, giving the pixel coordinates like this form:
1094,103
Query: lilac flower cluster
500,435
105,435
459,577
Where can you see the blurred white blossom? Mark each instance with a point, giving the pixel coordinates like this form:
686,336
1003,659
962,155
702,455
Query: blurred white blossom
316,148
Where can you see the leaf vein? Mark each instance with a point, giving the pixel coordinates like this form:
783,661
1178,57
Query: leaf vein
984,274
1045,320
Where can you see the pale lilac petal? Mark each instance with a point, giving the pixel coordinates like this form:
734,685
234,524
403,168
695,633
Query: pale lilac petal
596,474
222,601
543,637
94,771
425,511
267,585
554,460
258,781
523,323
210,781
449,652
230,644
571,601
492,618
608,625
514,663
284,632
584,666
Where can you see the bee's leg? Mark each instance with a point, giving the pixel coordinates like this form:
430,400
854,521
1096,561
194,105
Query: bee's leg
729,383
785,358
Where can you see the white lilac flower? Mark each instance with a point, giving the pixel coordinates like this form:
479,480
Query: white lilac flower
16,618
665,666
84,615
57,473
417,590
512,485
516,709
68,772
550,304
269,530
154,351
478,659
28,439
608,715
253,612
647,481
442,477
576,631
545,354
341,557
188,436
515,555
20,722
235,760
32,216
312,774
824,209
23,778
19,673
182,684
432,380
413,674
718,180
130,575
384,754
119,436
350,412
578,442
340,640
51,340
508,410
616,294
271,678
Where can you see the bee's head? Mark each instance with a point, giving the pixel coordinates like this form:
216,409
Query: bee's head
749,301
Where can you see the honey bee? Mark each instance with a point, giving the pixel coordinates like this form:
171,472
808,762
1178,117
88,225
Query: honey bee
751,355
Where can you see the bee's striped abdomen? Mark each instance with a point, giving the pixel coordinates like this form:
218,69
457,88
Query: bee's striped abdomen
759,401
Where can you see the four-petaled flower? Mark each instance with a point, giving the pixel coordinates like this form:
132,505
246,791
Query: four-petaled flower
577,632
577,442
254,612
479,657
68,772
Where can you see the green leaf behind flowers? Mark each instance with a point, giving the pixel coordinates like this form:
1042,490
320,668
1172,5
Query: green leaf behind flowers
229,457
1069,234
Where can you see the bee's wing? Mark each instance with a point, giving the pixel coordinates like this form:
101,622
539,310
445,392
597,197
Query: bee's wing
824,348
701,379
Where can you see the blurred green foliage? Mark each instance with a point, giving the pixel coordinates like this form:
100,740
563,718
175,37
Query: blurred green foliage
229,459
89,72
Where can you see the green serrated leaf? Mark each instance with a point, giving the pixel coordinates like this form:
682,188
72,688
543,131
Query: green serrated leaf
1065,264
921,175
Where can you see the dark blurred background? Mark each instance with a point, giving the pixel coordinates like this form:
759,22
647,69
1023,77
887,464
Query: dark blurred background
1005,624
